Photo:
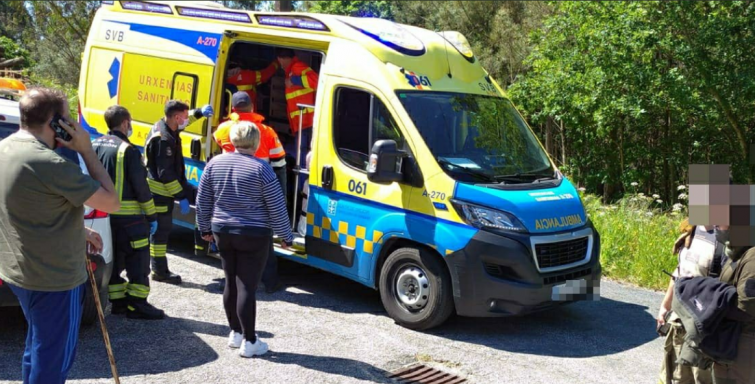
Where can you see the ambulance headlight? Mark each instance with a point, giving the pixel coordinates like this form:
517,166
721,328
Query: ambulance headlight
390,34
459,42
487,218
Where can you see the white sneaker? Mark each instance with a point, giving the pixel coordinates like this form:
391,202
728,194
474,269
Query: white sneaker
257,349
235,339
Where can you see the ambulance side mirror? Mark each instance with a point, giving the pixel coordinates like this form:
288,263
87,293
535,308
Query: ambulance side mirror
385,162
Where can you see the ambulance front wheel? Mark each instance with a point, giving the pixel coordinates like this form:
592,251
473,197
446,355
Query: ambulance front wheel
415,288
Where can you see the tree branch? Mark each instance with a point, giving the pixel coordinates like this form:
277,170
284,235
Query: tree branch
11,62
72,27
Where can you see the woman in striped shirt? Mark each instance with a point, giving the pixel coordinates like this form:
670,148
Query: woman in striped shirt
241,204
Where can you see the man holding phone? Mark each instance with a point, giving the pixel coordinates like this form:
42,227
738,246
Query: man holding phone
41,214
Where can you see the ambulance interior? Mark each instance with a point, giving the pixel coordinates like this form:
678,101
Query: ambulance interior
271,96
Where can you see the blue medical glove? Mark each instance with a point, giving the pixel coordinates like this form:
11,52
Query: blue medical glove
207,111
152,227
184,206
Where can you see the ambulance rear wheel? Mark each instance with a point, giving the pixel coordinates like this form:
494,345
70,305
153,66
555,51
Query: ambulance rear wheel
415,288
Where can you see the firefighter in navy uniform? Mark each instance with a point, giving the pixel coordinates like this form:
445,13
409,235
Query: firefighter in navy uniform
166,176
133,223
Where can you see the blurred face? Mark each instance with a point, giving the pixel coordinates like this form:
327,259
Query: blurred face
284,62
178,120
125,127
48,134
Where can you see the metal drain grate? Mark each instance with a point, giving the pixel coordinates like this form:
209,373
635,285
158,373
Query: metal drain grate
422,374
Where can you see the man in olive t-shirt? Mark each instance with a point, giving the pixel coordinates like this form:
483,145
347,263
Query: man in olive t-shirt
42,235
42,197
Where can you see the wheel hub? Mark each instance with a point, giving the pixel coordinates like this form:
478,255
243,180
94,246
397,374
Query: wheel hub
412,287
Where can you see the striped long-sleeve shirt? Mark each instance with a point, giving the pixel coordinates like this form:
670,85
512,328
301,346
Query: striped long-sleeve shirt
240,194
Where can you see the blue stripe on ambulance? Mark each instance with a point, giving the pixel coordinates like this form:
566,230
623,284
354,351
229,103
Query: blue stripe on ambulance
189,38
93,133
367,225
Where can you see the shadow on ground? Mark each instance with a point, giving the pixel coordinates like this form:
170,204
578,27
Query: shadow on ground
578,330
331,365
139,350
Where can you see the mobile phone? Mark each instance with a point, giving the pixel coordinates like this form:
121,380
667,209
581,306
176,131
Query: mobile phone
664,329
59,130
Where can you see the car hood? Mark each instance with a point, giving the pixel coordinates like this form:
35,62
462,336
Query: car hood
543,210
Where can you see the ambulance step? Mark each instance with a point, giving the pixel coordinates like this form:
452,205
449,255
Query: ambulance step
298,246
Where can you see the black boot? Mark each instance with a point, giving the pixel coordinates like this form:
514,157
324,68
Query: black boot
169,278
119,307
141,309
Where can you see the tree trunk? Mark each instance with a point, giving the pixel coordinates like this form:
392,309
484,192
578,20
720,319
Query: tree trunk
563,144
11,62
549,136
669,184
284,6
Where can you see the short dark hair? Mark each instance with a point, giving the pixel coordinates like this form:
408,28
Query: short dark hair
175,106
116,115
39,105
284,53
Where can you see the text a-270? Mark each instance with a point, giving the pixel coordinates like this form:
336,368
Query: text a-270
207,41
434,195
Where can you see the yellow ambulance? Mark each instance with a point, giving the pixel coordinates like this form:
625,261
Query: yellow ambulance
425,182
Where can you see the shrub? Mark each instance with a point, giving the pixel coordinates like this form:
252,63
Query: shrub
636,237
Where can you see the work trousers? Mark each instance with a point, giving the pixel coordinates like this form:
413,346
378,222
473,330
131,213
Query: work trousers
51,340
243,258
270,275
673,373
159,241
131,252
743,369
290,148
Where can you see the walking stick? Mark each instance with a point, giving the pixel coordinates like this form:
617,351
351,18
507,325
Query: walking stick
103,327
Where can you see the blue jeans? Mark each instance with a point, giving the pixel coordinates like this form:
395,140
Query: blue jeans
54,319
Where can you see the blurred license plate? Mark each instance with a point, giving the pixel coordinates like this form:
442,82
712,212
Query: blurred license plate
568,290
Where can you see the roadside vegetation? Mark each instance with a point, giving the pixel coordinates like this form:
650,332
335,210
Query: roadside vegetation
637,235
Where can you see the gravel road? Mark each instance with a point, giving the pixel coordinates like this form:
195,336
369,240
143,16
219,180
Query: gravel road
326,329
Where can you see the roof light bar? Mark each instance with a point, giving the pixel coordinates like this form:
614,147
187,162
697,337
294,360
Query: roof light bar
391,34
460,43
213,14
297,22
107,2
146,7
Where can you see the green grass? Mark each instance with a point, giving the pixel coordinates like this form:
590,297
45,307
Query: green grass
636,238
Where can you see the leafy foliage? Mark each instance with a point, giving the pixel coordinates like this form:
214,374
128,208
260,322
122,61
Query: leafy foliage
636,237
10,49
249,5
641,95
381,9
497,30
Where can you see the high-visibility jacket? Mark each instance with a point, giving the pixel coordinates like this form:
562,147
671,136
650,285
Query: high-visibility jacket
302,91
248,80
165,163
123,163
270,148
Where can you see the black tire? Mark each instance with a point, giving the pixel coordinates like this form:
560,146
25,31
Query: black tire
89,313
439,304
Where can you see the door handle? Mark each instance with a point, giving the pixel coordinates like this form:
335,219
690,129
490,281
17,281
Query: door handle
327,178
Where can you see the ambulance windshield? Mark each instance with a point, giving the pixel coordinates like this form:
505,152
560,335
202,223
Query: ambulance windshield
478,139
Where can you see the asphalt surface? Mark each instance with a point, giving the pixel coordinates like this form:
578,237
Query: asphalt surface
326,329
